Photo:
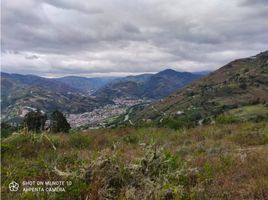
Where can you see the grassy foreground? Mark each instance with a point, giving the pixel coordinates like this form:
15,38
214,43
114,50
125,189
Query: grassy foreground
207,162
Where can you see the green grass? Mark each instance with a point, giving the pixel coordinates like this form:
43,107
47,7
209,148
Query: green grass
252,112
220,161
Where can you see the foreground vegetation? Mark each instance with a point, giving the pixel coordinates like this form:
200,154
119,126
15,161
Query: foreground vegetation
220,161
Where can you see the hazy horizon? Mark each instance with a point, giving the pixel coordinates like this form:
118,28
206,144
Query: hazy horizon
107,75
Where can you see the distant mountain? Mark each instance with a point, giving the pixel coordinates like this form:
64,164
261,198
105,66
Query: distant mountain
149,86
165,82
241,84
29,80
138,78
22,93
86,85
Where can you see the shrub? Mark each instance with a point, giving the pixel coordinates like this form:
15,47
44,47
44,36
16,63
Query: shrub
177,123
111,179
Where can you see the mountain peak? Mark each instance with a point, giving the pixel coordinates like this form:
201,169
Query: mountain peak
167,71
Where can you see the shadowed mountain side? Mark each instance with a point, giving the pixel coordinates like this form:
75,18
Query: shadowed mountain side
148,86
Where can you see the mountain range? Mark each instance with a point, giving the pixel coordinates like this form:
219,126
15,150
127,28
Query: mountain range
146,86
23,93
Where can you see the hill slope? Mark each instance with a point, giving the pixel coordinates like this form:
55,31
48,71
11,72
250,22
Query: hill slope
240,83
150,86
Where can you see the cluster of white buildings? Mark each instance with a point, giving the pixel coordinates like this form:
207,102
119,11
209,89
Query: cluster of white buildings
98,117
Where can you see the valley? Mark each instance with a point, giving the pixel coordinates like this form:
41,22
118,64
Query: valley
87,102
167,97
104,116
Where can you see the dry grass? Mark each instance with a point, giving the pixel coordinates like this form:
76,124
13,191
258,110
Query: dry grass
207,162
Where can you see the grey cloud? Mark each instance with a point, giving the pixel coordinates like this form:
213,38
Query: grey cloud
32,57
254,2
100,36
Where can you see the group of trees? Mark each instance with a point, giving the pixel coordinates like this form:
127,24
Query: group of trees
36,121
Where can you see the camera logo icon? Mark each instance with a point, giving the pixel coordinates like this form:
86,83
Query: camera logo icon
13,186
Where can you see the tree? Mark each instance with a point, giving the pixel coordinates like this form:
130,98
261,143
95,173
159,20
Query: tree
59,123
35,121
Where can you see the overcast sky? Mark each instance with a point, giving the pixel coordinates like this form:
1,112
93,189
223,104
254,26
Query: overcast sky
119,37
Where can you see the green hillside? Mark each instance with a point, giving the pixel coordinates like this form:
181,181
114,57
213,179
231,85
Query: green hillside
243,82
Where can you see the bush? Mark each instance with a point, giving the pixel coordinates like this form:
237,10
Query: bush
177,123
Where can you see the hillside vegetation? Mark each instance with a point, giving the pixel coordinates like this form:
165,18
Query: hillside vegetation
220,161
243,82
